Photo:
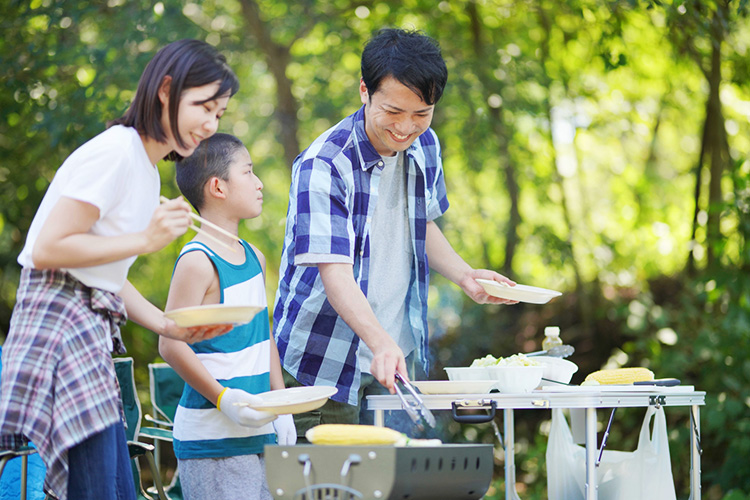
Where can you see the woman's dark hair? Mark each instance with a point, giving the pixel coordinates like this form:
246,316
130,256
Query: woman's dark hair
189,63
411,57
212,158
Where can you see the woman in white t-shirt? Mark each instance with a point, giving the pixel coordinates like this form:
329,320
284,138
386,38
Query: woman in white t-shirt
101,211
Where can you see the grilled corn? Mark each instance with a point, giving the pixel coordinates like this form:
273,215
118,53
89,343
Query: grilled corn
348,434
621,375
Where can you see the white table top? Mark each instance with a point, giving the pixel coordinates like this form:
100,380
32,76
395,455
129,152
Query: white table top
558,397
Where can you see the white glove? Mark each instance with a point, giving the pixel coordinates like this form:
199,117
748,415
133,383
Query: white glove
286,432
240,413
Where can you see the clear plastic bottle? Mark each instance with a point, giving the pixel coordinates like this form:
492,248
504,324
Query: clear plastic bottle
551,338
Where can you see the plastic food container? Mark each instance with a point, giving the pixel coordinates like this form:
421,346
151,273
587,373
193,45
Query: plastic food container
515,379
557,369
467,373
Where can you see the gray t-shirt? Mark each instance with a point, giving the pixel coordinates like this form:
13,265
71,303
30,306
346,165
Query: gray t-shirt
390,259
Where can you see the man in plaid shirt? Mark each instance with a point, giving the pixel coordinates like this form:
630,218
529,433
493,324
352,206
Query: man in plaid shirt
351,306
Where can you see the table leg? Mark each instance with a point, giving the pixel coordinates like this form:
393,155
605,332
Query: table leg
379,418
510,458
695,453
591,487
24,475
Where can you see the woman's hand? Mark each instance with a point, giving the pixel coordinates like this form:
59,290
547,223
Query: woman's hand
171,220
194,334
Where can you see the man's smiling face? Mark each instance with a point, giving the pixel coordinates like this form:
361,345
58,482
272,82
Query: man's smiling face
394,116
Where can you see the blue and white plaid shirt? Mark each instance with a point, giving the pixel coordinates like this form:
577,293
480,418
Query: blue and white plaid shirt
332,198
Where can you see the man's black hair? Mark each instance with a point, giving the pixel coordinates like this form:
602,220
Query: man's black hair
411,57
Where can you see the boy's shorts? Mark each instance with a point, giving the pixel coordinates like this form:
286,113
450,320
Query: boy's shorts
241,477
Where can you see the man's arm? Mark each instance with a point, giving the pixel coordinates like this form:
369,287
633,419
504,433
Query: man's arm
351,304
447,262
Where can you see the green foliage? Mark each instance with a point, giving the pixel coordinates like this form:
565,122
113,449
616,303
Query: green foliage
571,131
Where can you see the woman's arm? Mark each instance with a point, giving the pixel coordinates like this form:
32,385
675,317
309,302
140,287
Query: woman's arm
65,241
151,317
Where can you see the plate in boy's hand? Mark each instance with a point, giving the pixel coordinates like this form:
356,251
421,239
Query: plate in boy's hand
521,293
213,314
294,399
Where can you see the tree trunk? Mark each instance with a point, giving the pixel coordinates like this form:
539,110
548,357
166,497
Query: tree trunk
715,141
501,133
584,301
277,58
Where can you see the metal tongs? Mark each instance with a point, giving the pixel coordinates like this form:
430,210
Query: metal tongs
559,351
414,408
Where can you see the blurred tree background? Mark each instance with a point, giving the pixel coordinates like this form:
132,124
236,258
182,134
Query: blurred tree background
595,147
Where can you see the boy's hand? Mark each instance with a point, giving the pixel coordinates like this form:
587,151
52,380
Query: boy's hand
286,431
231,403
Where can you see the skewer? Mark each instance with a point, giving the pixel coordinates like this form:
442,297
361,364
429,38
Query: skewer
203,221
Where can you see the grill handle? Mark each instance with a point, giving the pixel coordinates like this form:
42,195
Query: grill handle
490,405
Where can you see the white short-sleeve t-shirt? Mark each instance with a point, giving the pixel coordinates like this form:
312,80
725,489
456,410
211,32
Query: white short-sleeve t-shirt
113,172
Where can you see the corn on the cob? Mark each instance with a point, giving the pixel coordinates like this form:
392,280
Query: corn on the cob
621,375
349,434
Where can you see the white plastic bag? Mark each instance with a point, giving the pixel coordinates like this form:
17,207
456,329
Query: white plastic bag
645,473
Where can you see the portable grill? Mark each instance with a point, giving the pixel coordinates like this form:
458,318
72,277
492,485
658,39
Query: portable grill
318,472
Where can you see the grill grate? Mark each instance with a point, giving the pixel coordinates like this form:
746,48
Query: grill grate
328,492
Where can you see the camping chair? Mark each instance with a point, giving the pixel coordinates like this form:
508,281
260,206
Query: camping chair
165,386
22,454
132,408
29,468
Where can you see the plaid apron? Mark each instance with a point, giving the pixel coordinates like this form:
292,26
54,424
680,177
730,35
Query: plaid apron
58,379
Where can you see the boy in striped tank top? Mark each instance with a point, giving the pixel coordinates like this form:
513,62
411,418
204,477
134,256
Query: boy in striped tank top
219,444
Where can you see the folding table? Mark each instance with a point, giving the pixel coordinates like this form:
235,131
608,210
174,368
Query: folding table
588,398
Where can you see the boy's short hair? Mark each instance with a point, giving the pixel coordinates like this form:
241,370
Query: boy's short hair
411,57
212,158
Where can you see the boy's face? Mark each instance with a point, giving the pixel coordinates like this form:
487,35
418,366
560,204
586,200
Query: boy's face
394,116
245,188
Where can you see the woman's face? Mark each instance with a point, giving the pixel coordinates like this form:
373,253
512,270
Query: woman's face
196,119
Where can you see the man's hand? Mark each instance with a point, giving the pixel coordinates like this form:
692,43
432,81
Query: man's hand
474,290
387,360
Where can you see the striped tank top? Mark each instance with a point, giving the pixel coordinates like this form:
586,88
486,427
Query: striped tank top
239,359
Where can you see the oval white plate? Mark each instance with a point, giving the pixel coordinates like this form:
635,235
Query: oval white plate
521,293
453,386
213,314
294,399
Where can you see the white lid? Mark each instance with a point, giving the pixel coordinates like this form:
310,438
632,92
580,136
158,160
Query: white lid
552,331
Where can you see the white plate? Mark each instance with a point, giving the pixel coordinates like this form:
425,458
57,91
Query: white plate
453,386
294,399
521,293
213,314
